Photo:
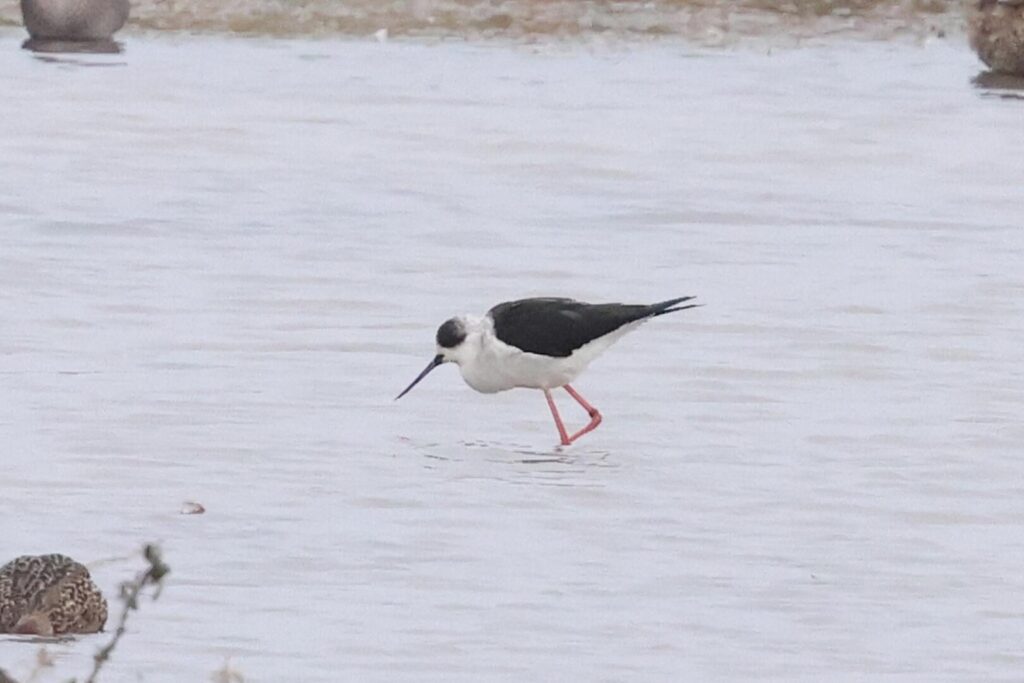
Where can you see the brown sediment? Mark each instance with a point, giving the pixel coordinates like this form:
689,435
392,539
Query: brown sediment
703,21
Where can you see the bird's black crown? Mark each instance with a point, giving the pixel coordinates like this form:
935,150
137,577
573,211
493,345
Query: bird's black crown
451,334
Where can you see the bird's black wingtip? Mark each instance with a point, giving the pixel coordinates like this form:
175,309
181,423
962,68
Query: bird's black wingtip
680,308
672,305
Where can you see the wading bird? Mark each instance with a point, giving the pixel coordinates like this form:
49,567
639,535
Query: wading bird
542,343
74,20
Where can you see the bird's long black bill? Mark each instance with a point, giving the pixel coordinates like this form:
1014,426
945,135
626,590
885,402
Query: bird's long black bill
438,359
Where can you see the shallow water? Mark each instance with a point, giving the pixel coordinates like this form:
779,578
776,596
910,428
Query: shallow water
222,258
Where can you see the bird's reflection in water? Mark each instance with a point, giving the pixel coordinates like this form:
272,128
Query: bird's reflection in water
551,463
558,466
996,84
45,49
38,640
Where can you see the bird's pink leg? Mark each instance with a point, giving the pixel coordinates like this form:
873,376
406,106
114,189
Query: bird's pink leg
558,419
595,414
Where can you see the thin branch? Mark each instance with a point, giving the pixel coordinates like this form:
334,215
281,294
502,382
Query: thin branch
130,591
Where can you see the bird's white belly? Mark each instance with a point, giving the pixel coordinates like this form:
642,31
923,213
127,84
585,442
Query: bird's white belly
527,370
499,367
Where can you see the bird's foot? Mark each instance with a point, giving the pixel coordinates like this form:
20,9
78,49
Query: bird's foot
595,420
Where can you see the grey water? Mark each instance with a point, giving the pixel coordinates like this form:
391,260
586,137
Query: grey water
221,258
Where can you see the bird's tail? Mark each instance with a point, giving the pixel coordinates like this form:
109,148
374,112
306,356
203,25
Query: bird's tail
671,306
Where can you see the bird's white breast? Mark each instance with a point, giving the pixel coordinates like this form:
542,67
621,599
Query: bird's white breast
493,365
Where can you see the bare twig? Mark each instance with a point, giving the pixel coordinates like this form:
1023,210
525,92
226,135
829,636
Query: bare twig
130,591
226,674
44,660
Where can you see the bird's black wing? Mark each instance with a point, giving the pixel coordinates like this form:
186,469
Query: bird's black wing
557,327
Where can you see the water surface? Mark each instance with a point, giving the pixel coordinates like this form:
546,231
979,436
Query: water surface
222,258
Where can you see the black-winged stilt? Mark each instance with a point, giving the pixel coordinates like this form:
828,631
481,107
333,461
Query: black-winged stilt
542,343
